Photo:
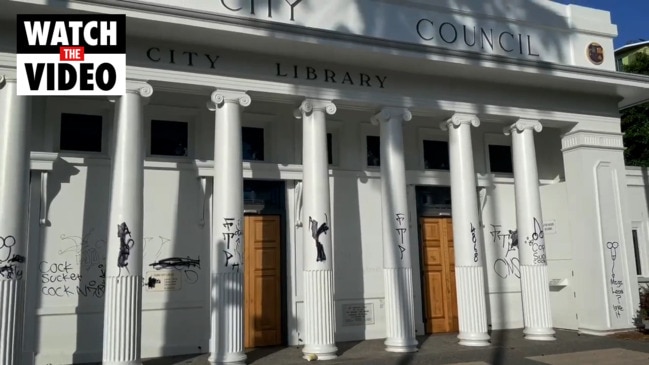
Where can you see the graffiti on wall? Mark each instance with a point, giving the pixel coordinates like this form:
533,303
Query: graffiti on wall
616,284
78,267
316,231
507,263
232,238
9,260
401,232
186,265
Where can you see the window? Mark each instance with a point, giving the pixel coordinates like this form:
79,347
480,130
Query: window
500,159
436,155
252,143
169,138
373,151
330,155
80,132
636,251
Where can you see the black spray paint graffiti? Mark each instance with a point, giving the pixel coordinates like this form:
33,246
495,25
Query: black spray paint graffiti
506,265
58,279
316,231
151,283
475,244
401,232
186,265
617,289
233,243
94,288
9,268
537,243
125,245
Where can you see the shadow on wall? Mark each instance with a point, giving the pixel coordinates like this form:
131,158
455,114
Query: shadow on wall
92,261
349,269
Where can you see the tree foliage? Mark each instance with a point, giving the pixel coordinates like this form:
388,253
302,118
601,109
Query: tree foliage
635,120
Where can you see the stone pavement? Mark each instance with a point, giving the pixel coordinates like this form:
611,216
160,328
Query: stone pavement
508,347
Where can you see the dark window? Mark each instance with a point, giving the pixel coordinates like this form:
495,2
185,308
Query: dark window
636,250
373,151
80,132
500,158
330,155
252,143
169,138
436,155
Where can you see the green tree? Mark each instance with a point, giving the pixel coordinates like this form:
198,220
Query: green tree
635,120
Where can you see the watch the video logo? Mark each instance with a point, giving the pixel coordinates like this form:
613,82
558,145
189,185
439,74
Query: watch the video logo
71,54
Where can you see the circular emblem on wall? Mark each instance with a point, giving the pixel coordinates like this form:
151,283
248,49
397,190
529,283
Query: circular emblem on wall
595,53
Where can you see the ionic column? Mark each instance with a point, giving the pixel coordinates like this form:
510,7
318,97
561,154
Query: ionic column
123,303
469,275
14,183
535,289
397,267
319,320
226,299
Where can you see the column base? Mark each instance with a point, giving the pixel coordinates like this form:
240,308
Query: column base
471,305
399,345
539,334
122,362
319,352
474,339
536,303
11,303
235,358
399,310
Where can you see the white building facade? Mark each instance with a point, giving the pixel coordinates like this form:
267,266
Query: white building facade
302,172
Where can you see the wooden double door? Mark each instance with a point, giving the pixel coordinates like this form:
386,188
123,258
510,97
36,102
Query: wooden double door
262,281
438,273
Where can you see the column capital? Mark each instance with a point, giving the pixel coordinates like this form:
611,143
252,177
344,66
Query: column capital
523,124
7,75
222,96
309,105
390,113
458,119
141,88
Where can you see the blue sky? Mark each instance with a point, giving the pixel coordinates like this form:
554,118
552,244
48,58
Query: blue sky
630,16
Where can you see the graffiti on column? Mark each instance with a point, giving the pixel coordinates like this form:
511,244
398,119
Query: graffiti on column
316,231
507,264
617,289
475,244
126,243
401,231
232,237
9,268
537,243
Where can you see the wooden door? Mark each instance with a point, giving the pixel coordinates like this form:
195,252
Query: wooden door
438,272
262,280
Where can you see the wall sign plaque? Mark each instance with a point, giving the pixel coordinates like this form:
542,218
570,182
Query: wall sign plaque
358,314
